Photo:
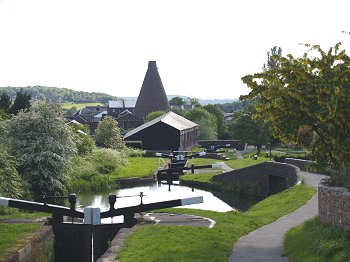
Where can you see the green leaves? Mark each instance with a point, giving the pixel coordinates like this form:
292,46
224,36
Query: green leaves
310,91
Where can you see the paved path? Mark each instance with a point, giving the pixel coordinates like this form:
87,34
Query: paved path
266,243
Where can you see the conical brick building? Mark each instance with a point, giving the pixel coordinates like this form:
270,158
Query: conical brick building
152,95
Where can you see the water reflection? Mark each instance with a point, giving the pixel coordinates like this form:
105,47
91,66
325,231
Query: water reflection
216,201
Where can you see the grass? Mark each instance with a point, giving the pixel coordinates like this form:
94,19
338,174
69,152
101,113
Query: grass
324,242
79,105
17,214
204,178
172,243
138,167
245,162
14,236
202,161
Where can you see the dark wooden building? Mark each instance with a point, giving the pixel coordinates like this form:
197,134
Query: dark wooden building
167,132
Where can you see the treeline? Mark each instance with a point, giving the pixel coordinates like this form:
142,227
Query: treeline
42,93
234,106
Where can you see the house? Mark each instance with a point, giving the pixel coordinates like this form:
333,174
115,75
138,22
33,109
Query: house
167,132
115,108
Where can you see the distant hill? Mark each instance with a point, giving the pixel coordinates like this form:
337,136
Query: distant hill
203,102
41,93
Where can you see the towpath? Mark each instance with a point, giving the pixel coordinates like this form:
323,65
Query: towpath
266,243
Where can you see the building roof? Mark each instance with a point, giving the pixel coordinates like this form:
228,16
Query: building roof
152,95
178,122
121,103
91,111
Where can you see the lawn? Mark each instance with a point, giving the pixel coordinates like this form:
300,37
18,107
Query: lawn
79,105
173,243
138,167
13,236
325,242
245,162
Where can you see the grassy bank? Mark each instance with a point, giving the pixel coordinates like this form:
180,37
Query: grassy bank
245,162
171,243
101,173
324,242
13,236
69,105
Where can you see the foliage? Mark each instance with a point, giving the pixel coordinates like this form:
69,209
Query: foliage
5,102
43,93
11,183
310,91
325,242
220,120
154,115
82,139
234,106
108,134
22,102
95,171
248,130
174,243
206,122
179,111
70,112
177,101
271,61
42,143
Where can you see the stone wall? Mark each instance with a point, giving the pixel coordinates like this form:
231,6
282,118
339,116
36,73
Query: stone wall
334,206
301,163
262,179
39,247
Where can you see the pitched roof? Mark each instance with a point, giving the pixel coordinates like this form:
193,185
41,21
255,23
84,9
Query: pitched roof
152,95
121,103
178,122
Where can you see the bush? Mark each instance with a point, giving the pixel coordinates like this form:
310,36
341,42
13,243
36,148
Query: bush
96,170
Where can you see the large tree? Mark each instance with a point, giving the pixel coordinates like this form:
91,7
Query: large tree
311,91
222,130
249,130
22,102
5,102
108,134
206,122
42,143
177,101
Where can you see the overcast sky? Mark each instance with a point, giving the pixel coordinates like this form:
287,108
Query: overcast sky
202,48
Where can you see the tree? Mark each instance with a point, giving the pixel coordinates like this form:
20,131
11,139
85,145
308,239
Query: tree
178,101
42,143
310,91
11,183
271,61
5,102
220,120
206,122
248,130
22,102
82,139
108,134
154,115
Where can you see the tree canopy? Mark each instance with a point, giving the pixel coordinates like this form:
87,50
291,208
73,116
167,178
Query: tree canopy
311,91
42,143
108,134
248,130
206,122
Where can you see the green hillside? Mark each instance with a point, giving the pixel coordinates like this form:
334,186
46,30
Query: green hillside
59,94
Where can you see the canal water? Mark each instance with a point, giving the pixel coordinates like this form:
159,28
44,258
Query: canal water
212,200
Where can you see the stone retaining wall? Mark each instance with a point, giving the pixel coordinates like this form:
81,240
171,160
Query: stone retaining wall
262,179
334,206
39,244
301,163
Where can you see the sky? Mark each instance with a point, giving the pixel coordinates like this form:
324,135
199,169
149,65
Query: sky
202,47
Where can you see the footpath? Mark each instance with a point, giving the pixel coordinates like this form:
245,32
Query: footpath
266,243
